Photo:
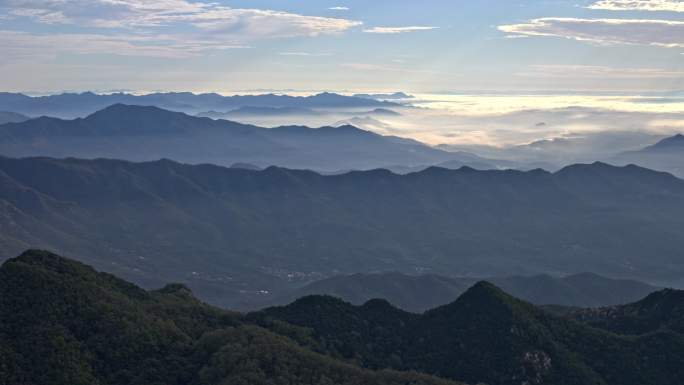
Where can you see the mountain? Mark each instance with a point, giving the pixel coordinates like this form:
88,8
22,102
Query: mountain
63,323
396,95
246,166
257,234
248,111
673,143
382,112
485,336
149,133
662,310
665,155
11,117
72,105
418,293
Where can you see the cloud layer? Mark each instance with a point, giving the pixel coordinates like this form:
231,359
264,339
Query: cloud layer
163,27
396,30
664,33
639,5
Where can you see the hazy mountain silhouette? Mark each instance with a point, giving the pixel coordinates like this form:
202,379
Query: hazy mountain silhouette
395,95
666,155
150,133
71,105
12,117
249,111
252,234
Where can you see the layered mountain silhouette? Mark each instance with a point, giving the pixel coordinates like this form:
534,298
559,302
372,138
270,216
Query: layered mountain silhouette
150,133
236,235
11,117
71,105
249,111
418,293
666,155
63,323
266,112
395,95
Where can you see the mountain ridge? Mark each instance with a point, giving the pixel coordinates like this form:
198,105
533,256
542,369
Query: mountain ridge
64,323
261,233
144,133
71,105
665,155
418,293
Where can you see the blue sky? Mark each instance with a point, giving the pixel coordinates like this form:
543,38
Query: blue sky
416,46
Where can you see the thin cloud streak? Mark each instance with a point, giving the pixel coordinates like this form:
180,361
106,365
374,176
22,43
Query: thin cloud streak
662,33
398,30
639,5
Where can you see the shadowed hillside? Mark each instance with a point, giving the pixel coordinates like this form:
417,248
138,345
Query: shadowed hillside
234,234
65,324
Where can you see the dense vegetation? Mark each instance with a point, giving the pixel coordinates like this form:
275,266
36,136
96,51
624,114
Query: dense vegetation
663,310
62,323
233,235
486,336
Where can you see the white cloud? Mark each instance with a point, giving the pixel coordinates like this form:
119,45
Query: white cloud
142,14
600,72
339,8
639,5
664,33
20,46
306,54
166,28
396,30
370,67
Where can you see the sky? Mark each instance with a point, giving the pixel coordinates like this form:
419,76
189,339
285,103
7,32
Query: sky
427,46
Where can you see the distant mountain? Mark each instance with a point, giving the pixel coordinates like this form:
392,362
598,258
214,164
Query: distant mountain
251,113
418,293
258,234
380,112
666,155
150,133
246,166
485,336
12,117
70,105
396,95
673,143
459,160
63,323
260,111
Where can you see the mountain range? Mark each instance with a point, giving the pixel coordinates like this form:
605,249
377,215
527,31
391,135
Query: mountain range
488,336
11,117
666,155
72,105
236,235
395,95
66,324
150,133
270,112
418,293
